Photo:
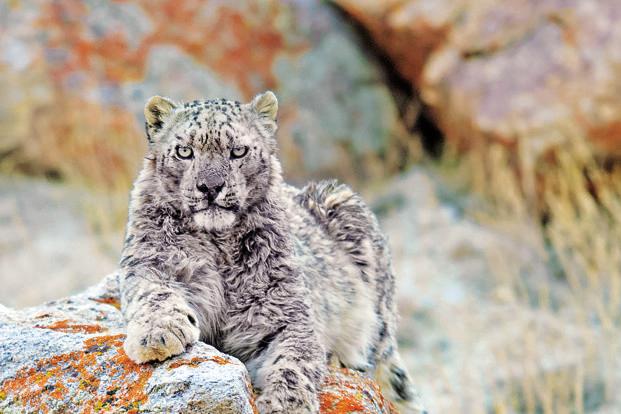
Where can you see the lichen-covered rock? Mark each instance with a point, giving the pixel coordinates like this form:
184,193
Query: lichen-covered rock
527,71
76,75
346,391
67,356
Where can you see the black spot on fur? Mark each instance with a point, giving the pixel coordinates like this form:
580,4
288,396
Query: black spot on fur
162,296
290,377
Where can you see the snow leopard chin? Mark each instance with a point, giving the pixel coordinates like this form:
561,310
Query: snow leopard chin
214,219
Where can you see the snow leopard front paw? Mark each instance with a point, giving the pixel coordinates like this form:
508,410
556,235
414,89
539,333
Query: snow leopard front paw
157,335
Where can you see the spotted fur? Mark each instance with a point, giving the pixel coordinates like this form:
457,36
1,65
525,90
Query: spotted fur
219,248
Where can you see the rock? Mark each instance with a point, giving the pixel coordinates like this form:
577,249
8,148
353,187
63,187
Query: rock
525,71
67,356
76,75
346,391
408,31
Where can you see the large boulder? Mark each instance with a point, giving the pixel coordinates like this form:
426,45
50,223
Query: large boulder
74,77
522,71
67,356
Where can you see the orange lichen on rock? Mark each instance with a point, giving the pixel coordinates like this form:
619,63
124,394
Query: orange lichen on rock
346,391
253,396
181,23
219,360
196,361
73,382
66,326
340,403
108,301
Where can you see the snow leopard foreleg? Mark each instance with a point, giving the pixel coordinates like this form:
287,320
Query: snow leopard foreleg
160,323
291,373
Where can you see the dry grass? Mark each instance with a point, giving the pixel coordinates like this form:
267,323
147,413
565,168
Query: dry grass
561,337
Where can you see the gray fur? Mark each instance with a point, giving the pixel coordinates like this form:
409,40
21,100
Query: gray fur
219,248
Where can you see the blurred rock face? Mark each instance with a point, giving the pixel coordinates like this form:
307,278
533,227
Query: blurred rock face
504,71
74,76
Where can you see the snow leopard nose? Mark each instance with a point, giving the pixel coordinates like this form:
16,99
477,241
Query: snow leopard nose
211,191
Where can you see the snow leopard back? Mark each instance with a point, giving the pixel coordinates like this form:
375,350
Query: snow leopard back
351,224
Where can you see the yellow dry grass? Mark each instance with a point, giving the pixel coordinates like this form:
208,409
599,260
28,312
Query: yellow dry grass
564,328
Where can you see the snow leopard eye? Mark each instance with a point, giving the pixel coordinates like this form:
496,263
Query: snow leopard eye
239,152
184,152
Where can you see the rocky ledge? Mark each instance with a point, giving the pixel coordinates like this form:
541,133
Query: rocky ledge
67,356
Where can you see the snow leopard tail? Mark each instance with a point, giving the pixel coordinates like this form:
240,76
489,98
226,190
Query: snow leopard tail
397,386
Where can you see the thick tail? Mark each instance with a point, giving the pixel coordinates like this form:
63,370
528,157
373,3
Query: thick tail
397,386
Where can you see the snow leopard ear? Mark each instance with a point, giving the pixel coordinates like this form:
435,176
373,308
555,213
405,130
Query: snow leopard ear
156,111
265,106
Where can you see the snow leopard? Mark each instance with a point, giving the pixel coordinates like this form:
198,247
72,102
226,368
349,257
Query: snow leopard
220,249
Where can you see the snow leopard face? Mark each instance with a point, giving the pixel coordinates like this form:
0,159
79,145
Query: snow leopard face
214,158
